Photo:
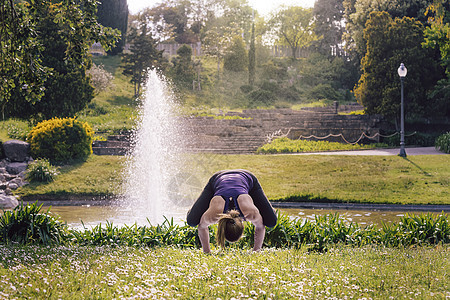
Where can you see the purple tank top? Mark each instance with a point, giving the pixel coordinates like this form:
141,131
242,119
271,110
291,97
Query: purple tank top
231,185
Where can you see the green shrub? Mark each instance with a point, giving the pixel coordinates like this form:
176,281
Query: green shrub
94,109
100,78
286,145
290,94
324,91
270,86
41,170
261,98
246,88
415,139
61,140
274,70
26,225
17,132
236,59
443,143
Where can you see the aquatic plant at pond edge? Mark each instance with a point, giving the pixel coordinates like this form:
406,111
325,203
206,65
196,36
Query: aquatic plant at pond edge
165,234
27,225
318,234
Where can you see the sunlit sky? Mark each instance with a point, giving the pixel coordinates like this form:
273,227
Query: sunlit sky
262,6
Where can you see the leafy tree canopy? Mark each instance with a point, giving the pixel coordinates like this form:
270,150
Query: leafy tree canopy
21,69
329,16
437,36
182,71
114,14
357,13
236,58
143,55
294,27
59,35
389,43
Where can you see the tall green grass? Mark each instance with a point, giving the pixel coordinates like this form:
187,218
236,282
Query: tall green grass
26,224
161,235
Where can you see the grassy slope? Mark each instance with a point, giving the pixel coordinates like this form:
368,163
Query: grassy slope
370,179
99,175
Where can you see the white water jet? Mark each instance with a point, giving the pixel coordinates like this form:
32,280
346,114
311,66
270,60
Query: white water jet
155,157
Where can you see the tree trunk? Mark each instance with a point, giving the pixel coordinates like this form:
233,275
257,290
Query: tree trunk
294,52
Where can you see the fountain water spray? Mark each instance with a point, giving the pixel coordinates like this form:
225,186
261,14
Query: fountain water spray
154,159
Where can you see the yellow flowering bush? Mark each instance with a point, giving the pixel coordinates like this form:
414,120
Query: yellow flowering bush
61,140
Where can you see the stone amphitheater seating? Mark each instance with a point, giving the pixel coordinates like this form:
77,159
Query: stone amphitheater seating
246,135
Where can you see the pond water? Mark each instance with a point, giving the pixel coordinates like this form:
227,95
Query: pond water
76,216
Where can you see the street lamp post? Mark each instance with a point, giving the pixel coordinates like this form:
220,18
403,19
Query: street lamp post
402,71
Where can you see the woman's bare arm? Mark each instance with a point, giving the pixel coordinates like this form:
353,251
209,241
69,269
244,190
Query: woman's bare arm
211,216
251,213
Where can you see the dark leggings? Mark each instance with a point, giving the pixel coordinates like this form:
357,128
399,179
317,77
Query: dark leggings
259,199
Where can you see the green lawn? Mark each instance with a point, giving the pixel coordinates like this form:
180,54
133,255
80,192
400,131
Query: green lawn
363,179
87,272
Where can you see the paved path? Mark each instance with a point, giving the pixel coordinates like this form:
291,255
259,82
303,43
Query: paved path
409,151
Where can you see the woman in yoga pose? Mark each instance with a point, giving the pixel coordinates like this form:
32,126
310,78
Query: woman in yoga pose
230,197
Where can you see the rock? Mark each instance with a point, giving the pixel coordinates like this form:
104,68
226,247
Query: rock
16,151
17,181
8,176
13,186
8,202
16,168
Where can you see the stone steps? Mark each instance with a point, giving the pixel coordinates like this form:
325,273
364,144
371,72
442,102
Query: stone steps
227,136
114,145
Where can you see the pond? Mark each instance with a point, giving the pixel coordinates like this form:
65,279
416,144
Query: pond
76,216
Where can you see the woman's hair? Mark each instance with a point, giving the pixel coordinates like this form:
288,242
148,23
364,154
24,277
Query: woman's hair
230,228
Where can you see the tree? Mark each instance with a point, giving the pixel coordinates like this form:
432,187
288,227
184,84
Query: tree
182,71
389,43
294,27
175,15
437,36
160,30
215,43
143,56
329,15
236,58
236,14
21,71
357,13
65,32
114,14
252,58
